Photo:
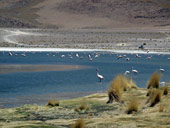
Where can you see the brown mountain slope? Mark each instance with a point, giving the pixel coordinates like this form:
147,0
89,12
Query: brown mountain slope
88,13
18,13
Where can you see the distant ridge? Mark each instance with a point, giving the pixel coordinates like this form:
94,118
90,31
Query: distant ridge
84,13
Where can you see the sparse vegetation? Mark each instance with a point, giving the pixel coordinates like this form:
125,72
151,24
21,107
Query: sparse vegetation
155,97
99,115
118,85
83,106
154,80
150,91
165,90
161,108
116,88
53,103
132,106
79,124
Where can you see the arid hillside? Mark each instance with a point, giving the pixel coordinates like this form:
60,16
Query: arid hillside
84,13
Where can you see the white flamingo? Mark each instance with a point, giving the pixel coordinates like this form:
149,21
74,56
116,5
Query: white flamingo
96,55
99,76
127,59
119,56
134,71
149,57
90,58
161,70
23,54
10,53
62,56
138,56
162,83
77,55
127,72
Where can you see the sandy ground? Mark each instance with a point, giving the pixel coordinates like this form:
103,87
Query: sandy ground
111,39
63,19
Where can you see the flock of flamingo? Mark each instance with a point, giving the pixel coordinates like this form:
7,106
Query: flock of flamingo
96,55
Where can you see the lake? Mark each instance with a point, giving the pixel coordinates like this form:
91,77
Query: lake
34,77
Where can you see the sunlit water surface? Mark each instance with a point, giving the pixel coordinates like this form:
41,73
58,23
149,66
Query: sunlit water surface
78,81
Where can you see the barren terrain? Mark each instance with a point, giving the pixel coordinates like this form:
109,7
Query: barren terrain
103,14
108,39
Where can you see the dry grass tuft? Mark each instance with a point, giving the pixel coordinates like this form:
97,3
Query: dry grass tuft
52,103
154,80
114,94
132,106
161,108
155,97
82,107
165,90
132,84
118,85
115,91
79,124
150,91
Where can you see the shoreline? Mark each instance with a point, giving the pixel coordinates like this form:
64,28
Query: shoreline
90,40
41,99
93,110
17,49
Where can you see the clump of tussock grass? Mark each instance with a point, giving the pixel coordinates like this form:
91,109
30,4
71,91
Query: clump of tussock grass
83,106
53,103
165,90
154,80
150,91
132,84
155,97
79,124
118,85
133,106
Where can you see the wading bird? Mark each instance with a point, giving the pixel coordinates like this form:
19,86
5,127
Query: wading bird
10,53
127,72
161,70
99,76
134,71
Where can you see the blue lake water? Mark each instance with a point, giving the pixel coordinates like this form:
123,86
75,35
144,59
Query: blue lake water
20,84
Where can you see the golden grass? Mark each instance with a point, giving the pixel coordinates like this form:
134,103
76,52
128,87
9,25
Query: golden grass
79,124
161,108
132,106
82,106
150,91
114,94
154,80
100,115
165,90
131,83
118,85
53,103
155,97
